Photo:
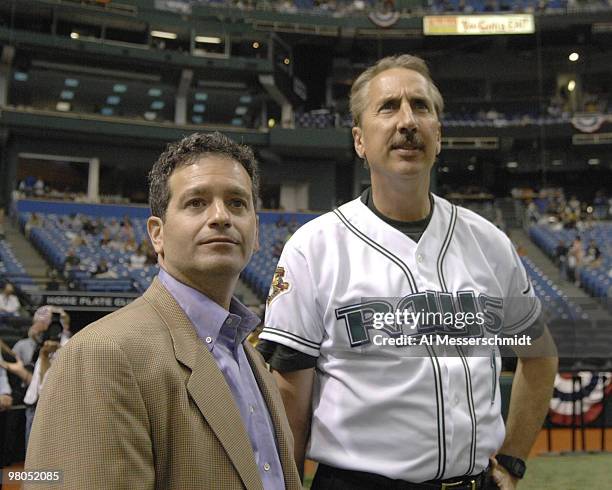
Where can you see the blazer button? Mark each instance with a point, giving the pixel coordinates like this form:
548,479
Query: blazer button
266,467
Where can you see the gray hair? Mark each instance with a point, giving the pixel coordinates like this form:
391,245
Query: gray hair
359,90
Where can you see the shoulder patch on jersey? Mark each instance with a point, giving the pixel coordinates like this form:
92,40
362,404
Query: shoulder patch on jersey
278,286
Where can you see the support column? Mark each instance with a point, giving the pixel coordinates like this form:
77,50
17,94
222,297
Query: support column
6,62
180,105
287,120
93,181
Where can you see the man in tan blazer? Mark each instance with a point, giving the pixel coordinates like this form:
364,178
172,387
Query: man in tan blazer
166,393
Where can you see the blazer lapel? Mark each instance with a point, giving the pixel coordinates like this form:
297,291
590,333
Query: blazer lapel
207,385
284,437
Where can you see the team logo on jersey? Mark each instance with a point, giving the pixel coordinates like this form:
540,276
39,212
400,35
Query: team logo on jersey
428,312
278,286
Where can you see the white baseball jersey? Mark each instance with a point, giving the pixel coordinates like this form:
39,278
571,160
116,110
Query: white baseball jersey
412,413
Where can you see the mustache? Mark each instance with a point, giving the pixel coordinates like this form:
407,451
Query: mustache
408,140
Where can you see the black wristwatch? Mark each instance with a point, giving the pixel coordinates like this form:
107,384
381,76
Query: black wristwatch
515,466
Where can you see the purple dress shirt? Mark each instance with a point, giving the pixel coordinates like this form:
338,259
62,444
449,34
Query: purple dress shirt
223,333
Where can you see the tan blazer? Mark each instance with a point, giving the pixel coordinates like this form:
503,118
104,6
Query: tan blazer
136,401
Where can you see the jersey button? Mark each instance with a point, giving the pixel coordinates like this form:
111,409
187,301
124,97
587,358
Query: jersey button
266,467
419,258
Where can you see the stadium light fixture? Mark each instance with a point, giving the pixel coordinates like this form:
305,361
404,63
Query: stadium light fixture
512,164
241,110
593,161
286,61
271,122
21,76
557,162
63,106
71,82
157,105
164,34
150,116
74,35
107,111
574,56
255,45
67,95
471,167
120,88
571,85
154,92
208,39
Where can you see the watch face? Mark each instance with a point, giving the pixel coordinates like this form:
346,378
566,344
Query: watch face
519,468
515,466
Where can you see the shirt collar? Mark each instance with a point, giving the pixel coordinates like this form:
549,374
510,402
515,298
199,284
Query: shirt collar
207,316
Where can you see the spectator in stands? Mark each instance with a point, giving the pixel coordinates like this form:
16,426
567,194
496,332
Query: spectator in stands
574,260
126,230
39,187
26,351
53,280
102,270
561,258
9,303
490,6
32,222
113,227
130,245
109,239
592,258
78,240
599,205
75,222
90,227
574,204
72,261
533,214
26,185
281,222
105,239
138,258
48,344
6,399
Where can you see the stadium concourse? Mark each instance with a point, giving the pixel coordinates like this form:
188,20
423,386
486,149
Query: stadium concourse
92,91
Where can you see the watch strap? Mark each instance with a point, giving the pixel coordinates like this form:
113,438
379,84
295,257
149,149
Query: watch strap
515,466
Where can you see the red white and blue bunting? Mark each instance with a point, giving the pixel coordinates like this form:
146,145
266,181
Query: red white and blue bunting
567,397
588,123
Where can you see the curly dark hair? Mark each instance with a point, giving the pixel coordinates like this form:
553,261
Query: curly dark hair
186,152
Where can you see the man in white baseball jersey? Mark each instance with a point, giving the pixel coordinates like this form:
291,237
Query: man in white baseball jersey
381,400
